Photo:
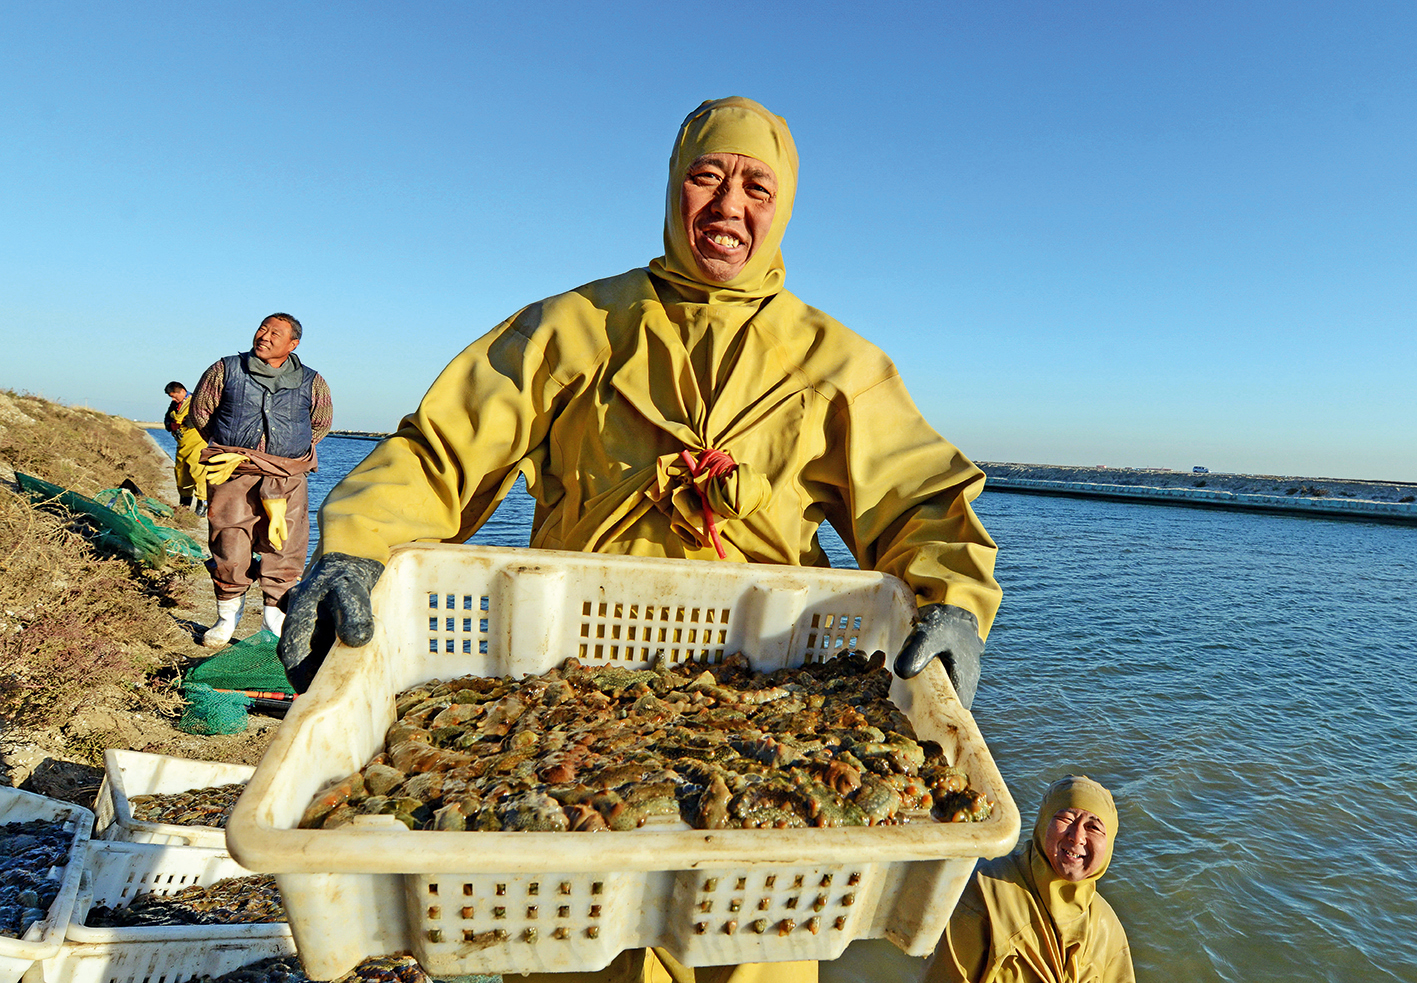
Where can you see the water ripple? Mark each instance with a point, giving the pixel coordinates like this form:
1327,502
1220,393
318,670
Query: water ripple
1244,684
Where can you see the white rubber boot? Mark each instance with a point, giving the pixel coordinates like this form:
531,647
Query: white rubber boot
272,619
228,614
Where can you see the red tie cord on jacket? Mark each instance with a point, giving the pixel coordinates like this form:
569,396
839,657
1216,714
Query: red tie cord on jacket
711,464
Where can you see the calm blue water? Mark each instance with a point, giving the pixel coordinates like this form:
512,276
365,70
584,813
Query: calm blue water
1244,684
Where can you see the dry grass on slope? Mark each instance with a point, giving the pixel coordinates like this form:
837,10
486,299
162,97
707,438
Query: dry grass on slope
75,447
72,622
80,633
91,646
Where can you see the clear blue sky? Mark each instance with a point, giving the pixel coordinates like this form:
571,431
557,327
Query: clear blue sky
1137,233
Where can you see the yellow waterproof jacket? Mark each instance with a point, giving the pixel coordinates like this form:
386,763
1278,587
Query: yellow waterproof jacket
189,441
1005,931
1019,921
596,394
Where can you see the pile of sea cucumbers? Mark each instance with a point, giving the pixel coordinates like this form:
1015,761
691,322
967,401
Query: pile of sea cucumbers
194,807
584,749
232,901
396,968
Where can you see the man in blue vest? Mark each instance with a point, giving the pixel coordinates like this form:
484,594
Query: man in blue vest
262,413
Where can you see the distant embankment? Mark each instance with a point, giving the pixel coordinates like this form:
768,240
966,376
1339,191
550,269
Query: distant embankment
1329,498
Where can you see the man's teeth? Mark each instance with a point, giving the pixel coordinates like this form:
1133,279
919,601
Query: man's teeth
726,240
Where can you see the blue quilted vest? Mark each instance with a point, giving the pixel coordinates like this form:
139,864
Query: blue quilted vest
249,411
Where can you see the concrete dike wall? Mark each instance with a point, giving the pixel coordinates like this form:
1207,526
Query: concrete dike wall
1327,498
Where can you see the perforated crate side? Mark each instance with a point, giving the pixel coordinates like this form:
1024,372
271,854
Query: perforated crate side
544,607
117,873
522,923
769,913
463,924
120,872
166,961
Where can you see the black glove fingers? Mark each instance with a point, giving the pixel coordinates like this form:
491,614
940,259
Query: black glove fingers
913,657
299,626
950,634
332,601
354,615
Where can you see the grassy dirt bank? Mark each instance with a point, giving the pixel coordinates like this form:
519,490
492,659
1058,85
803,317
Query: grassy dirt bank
93,645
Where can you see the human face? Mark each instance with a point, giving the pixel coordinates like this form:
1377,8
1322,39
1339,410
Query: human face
177,395
728,203
1075,843
273,343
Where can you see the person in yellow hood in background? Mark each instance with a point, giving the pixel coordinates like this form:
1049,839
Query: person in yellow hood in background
1035,914
693,408
187,468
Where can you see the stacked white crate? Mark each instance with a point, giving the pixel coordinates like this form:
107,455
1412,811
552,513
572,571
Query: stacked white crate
131,773
116,873
133,857
45,937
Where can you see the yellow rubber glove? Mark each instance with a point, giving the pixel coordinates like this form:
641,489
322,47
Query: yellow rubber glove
220,466
278,532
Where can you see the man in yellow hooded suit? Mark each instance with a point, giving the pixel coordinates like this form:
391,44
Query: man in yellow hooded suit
1035,916
693,408
187,467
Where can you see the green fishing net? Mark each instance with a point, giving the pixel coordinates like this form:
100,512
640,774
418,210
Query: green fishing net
118,526
125,503
211,711
249,665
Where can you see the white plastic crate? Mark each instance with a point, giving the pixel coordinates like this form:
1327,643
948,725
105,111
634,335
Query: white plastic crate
130,773
470,902
153,962
115,874
45,936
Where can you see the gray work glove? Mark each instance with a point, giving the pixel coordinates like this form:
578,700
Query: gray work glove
952,634
333,599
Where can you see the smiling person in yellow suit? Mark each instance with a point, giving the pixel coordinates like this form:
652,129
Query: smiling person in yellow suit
1034,916
692,408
